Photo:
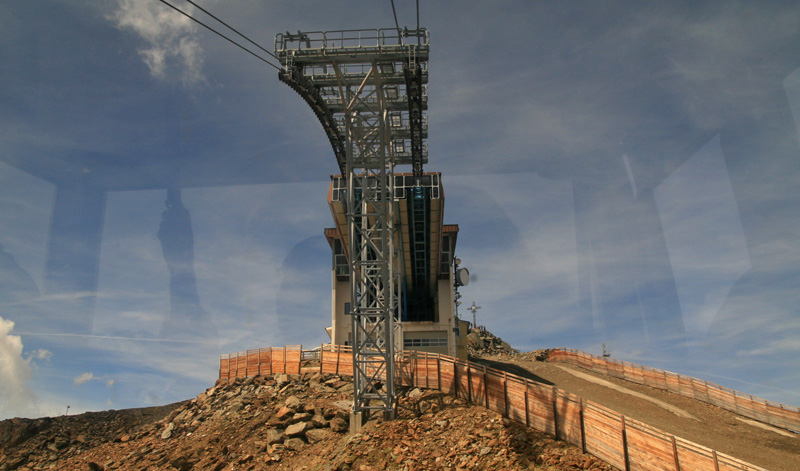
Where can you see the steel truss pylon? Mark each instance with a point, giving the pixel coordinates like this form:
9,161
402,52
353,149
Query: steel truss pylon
367,88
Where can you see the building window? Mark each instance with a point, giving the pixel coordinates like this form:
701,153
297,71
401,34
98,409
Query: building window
445,261
339,259
425,342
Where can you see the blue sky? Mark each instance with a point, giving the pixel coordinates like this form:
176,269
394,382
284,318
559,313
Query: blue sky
622,173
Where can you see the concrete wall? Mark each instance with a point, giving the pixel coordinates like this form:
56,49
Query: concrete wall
445,327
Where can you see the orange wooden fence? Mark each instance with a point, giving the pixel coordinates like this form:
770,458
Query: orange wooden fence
262,361
623,442
773,413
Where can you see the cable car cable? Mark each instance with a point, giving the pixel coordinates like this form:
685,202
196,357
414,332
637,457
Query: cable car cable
220,34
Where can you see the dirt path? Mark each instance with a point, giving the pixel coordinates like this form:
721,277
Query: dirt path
675,410
693,420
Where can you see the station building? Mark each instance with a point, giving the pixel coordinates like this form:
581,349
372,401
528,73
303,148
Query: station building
425,247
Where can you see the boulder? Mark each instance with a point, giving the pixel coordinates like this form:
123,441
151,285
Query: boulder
294,444
339,425
317,435
292,402
275,435
167,431
297,430
284,413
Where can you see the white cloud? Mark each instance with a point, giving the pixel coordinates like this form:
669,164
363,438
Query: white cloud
84,378
173,50
41,354
110,383
15,372
783,346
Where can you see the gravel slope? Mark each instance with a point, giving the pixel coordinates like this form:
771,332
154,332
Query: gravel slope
707,425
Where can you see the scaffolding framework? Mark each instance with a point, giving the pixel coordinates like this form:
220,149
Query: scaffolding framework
368,90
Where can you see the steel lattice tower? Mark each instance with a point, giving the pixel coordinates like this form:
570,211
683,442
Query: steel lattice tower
367,88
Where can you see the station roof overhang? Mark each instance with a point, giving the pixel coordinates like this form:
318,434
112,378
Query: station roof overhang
404,239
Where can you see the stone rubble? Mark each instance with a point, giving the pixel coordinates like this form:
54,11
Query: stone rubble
286,422
481,342
535,355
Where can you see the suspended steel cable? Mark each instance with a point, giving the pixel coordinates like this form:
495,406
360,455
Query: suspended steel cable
220,34
417,15
396,24
232,29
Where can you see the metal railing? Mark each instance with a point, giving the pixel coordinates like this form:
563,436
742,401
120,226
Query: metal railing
350,39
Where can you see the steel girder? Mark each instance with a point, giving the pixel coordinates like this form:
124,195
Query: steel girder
369,111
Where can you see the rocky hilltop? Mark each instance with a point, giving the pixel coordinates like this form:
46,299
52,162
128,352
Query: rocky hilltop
285,422
481,342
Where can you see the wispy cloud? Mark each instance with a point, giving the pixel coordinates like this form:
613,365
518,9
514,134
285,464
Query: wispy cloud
173,50
704,236
84,378
104,337
41,354
783,346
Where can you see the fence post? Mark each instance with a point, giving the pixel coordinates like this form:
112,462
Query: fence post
505,393
527,411
456,382
555,412
427,382
469,382
414,364
675,454
583,430
439,371
485,388
625,445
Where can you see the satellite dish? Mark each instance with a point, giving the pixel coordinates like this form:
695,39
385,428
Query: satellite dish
462,277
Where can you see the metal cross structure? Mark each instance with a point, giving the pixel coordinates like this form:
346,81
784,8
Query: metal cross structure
474,308
367,88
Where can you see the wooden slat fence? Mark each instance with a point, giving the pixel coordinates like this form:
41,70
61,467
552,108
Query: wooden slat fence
261,361
336,359
773,413
623,442
604,432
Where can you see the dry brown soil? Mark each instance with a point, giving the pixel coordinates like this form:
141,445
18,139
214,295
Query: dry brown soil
705,424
